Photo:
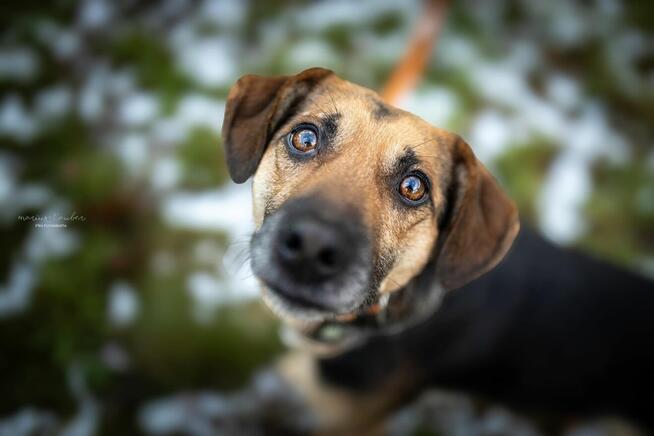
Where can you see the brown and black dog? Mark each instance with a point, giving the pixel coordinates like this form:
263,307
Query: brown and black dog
366,216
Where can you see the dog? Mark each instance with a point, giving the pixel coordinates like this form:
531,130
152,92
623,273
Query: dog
376,240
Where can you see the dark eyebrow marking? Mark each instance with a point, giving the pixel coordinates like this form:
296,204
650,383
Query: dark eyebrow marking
330,125
381,110
408,160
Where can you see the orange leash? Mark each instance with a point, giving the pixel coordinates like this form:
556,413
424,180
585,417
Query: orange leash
408,72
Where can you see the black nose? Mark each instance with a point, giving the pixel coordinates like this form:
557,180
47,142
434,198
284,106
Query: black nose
312,250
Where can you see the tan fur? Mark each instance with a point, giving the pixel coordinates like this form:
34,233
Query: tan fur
371,137
365,146
339,411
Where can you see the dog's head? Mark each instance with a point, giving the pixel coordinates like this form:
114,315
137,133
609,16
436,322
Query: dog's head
353,197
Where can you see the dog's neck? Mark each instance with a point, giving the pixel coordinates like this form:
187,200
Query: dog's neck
406,307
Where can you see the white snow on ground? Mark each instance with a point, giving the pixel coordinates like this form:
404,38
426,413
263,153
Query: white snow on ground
192,413
40,244
228,14
194,110
311,52
133,150
166,173
210,291
569,182
50,242
28,421
581,128
563,91
319,16
64,43
209,60
123,304
16,198
53,103
16,294
7,181
21,122
15,120
104,85
197,110
87,417
18,63
490,134
565,189
435,104
228,210
137,109
94,14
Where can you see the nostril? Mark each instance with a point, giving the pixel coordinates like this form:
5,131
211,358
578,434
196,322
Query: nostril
327,258
293,242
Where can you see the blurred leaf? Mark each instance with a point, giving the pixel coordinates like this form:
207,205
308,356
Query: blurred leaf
522,169
202,158
155,67
620,212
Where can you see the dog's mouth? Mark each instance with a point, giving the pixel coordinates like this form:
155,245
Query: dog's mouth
305,311
326,332
298,303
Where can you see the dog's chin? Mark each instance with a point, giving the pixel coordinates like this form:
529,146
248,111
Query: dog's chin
301,313
294,313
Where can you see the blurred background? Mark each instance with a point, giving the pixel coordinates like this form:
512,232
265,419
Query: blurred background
126,301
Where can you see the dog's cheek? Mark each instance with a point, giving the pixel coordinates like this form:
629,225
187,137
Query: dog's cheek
417,247
262,186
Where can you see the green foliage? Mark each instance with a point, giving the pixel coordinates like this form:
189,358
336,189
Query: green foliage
202,158
175,351
65,324
171,348
340,37
424,430
154,66
21,14
621,212
386,24
522,170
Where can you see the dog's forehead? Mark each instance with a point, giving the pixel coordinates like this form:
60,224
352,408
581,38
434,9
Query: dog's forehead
374,128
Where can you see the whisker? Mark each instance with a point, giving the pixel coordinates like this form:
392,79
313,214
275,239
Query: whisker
331,97
416,146
244,261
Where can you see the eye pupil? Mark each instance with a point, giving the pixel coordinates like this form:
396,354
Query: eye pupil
304,140
413,188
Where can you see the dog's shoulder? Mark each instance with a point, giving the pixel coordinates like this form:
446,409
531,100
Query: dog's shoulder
550,327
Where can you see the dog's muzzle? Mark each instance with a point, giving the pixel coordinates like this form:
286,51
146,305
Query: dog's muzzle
314,259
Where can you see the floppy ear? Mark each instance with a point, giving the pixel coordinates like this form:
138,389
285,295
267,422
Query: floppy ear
481,225
256,107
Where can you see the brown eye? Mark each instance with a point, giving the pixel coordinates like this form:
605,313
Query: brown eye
304,139
413,188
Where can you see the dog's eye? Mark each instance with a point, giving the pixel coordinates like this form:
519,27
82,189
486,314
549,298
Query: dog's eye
304,139
413,188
